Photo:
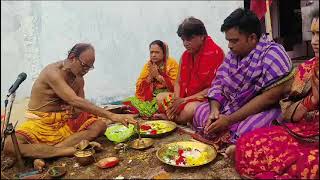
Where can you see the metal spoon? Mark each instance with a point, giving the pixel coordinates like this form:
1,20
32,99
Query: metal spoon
138,131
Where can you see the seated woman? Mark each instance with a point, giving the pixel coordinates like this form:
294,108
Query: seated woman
157,75
198,66
290,150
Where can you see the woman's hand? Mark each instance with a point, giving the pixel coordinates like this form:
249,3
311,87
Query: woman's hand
173,109
160,79
154,72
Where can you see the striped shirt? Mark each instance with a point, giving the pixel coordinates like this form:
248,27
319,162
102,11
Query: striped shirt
240,80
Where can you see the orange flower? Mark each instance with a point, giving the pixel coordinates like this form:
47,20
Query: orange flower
248,153
269,160
265,148
254,162
263,140
276,169
311,158
305,172
314,169
258,142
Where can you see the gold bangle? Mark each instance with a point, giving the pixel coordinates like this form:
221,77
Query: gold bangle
295,109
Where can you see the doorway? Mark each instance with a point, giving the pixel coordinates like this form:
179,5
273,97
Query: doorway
290,23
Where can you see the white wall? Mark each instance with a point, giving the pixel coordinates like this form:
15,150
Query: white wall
36,33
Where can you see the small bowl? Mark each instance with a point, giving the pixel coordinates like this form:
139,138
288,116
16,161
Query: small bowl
57,171
142,143
85,157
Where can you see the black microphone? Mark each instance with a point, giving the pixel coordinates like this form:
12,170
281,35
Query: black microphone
21,77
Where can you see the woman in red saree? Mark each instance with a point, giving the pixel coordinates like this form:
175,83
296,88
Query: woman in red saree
291,150
198,66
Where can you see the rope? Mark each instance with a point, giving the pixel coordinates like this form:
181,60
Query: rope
34,109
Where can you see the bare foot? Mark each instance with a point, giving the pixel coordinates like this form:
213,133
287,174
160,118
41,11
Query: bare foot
230,152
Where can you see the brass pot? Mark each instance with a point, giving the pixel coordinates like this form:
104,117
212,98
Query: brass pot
84,157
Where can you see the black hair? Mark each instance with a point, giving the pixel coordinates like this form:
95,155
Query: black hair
314,13
191,26
243,19
77,49
160,44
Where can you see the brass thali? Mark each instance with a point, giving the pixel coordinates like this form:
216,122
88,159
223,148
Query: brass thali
204,154
156,128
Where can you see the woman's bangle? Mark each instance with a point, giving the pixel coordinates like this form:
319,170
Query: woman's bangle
307,103
295,109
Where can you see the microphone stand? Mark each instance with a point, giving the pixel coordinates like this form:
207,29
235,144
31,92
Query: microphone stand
9,130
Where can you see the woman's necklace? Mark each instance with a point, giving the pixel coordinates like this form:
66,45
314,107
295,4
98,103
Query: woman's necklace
161,67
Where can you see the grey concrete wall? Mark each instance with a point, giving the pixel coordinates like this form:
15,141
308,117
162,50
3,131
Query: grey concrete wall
36,33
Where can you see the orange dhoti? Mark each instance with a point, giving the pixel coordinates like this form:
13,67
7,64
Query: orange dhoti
53,127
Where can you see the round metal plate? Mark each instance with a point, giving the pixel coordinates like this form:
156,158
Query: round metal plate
212,153
162,127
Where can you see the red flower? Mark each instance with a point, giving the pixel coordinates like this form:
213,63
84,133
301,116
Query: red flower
180,151
180,160
145,127
153,132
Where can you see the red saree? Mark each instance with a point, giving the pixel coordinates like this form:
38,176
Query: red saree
273,153
196,74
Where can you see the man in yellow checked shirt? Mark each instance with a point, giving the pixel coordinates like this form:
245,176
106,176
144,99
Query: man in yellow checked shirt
58,115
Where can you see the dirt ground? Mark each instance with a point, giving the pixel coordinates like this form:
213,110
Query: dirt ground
135,164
